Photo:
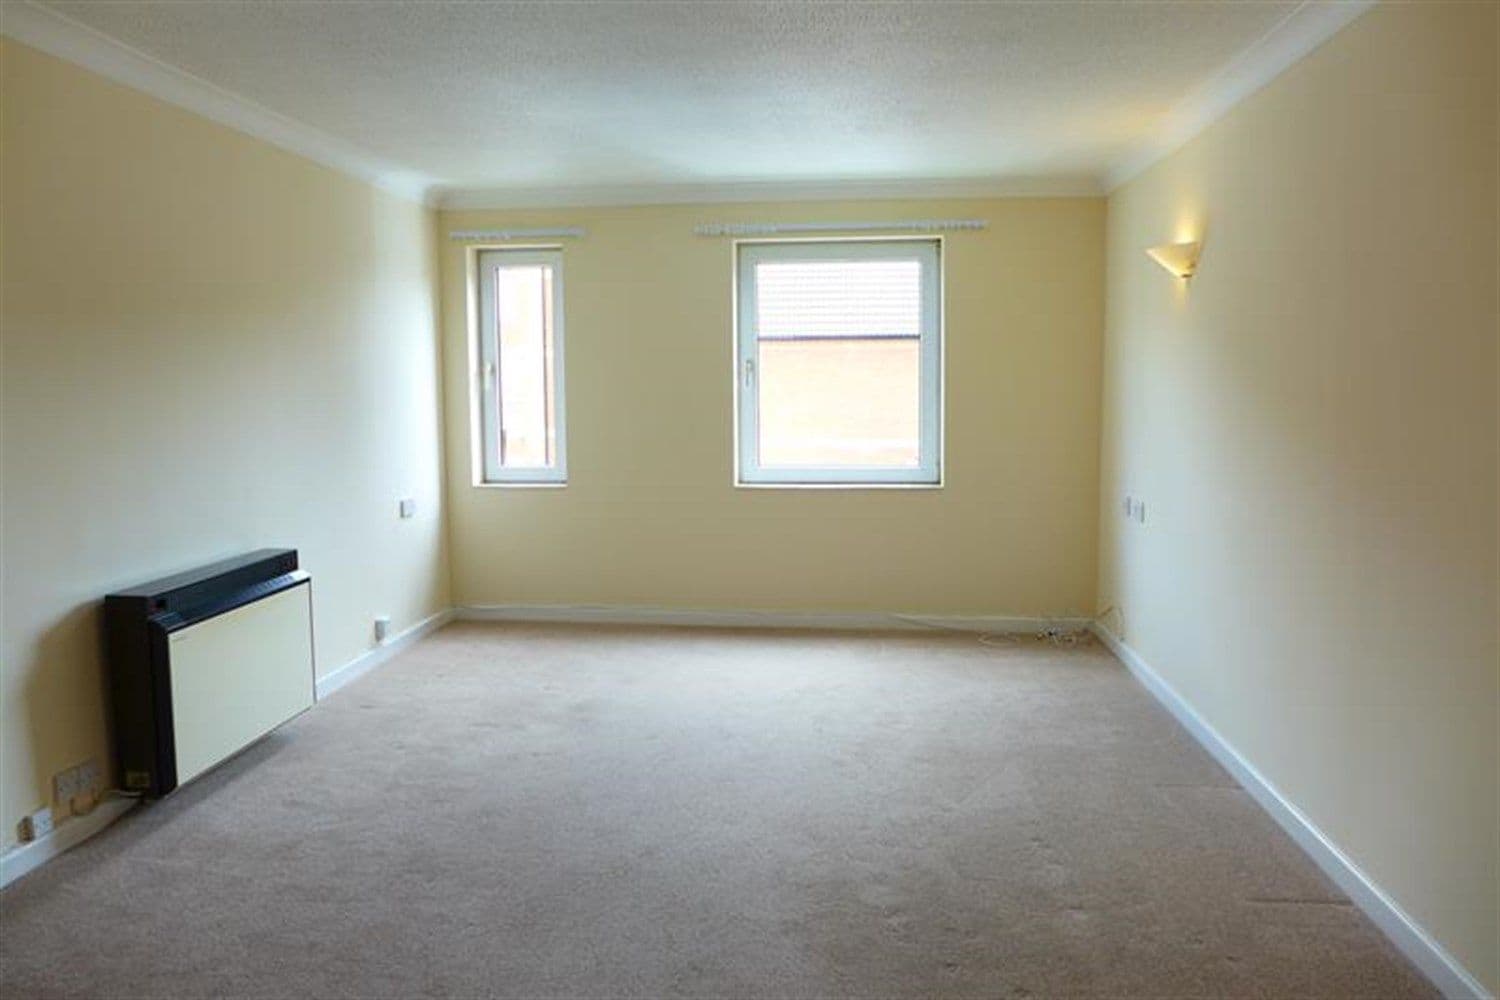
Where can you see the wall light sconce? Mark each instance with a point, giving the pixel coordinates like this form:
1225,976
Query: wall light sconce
1180,259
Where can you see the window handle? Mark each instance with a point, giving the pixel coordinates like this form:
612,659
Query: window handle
749,372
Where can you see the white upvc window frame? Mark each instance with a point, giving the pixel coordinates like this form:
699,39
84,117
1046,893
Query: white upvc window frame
929,251
488,361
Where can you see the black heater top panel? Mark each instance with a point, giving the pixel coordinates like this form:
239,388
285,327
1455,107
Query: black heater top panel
183,594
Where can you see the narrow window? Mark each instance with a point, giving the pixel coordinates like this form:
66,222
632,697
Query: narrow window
839,362
521,366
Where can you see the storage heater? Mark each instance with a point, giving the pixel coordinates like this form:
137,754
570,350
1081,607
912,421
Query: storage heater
205,663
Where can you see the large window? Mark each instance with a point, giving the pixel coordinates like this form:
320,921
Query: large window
521,366
838,362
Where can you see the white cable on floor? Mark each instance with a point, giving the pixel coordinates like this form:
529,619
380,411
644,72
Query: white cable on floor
985,638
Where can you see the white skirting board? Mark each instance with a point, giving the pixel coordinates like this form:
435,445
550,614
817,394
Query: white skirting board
600,614
69,833
1445,971
365,662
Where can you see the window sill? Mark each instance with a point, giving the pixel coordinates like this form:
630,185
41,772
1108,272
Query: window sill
518,485
838,486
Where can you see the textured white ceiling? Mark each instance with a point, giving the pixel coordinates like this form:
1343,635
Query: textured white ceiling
534,97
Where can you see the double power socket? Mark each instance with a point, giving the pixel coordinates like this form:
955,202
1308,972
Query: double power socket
80,782
75,790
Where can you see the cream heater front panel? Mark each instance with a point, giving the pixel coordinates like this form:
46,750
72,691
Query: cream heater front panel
237,676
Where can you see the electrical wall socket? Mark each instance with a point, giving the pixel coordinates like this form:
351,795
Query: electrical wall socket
406,507
88,777
65,785
37,825
382,627
82,779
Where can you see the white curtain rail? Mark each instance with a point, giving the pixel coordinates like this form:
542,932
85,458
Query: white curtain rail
503,235
782,228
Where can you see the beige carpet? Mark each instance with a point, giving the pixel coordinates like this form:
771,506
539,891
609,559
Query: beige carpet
592,812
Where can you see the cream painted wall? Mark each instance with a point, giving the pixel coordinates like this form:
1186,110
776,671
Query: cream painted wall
1312,425
650,517
209,345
